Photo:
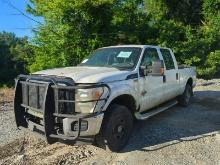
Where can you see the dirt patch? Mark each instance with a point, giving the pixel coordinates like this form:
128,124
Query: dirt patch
10,149
6,98
30,150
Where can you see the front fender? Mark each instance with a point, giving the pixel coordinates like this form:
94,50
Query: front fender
126,87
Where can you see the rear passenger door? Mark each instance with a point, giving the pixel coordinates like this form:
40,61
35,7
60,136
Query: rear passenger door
170,73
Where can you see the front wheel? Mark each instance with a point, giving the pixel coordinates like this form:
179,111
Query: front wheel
116,129
185,98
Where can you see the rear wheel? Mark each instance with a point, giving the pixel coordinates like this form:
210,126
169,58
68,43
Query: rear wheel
116,129
185,98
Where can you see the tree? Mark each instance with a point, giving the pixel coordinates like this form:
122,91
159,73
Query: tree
190,28
211,35
14,55
72,29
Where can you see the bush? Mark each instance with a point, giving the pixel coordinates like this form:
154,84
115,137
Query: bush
211,66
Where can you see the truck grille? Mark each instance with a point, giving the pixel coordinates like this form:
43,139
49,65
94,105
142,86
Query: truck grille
65,101
33,95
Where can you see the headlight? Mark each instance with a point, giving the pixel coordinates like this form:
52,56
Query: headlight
91,95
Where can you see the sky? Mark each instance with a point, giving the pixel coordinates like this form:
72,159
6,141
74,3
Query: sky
12,21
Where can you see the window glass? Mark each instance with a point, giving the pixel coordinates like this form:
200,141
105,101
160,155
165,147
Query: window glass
168,60
118,57
150,55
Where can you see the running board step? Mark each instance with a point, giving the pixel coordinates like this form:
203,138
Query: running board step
155,111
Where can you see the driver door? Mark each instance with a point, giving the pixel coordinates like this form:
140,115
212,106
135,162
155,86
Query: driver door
151,88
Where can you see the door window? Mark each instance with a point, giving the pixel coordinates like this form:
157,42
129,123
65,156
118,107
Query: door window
150,55
168,60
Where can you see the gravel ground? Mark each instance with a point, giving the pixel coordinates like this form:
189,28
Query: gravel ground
9,132
178,136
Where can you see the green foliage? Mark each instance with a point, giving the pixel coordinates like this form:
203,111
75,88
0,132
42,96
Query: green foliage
14,55
212,64
72,29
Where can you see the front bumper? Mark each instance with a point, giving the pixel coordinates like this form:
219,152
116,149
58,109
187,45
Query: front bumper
70,133
37,108
91,127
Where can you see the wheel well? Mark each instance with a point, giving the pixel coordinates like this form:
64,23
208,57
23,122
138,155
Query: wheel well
190,81
126,100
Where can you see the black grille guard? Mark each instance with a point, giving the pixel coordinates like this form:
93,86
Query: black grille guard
50,112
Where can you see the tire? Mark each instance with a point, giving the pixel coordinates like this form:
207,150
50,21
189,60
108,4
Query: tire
185,98
116,129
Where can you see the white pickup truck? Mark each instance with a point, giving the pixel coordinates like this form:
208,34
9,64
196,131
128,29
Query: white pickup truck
99,99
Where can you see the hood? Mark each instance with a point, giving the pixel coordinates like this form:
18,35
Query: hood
84,74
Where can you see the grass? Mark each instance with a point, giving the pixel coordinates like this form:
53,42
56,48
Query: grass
6,95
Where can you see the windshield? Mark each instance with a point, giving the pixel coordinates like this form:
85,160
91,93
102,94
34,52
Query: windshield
118,57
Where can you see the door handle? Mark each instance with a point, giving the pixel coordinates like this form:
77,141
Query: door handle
177,76
164,79
144,92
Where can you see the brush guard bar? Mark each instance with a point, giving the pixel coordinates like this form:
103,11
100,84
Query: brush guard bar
38,96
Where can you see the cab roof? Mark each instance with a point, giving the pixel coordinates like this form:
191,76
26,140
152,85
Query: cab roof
138,46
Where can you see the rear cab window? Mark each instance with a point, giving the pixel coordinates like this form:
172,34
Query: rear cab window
168,59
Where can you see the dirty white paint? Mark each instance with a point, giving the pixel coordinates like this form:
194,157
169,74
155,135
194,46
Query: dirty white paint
147,91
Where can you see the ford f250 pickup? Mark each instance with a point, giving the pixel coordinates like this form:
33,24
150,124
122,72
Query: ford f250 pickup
99,99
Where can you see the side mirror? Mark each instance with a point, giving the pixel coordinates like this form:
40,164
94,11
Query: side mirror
143,70
157,68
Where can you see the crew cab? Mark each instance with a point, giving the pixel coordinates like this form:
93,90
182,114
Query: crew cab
98,100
